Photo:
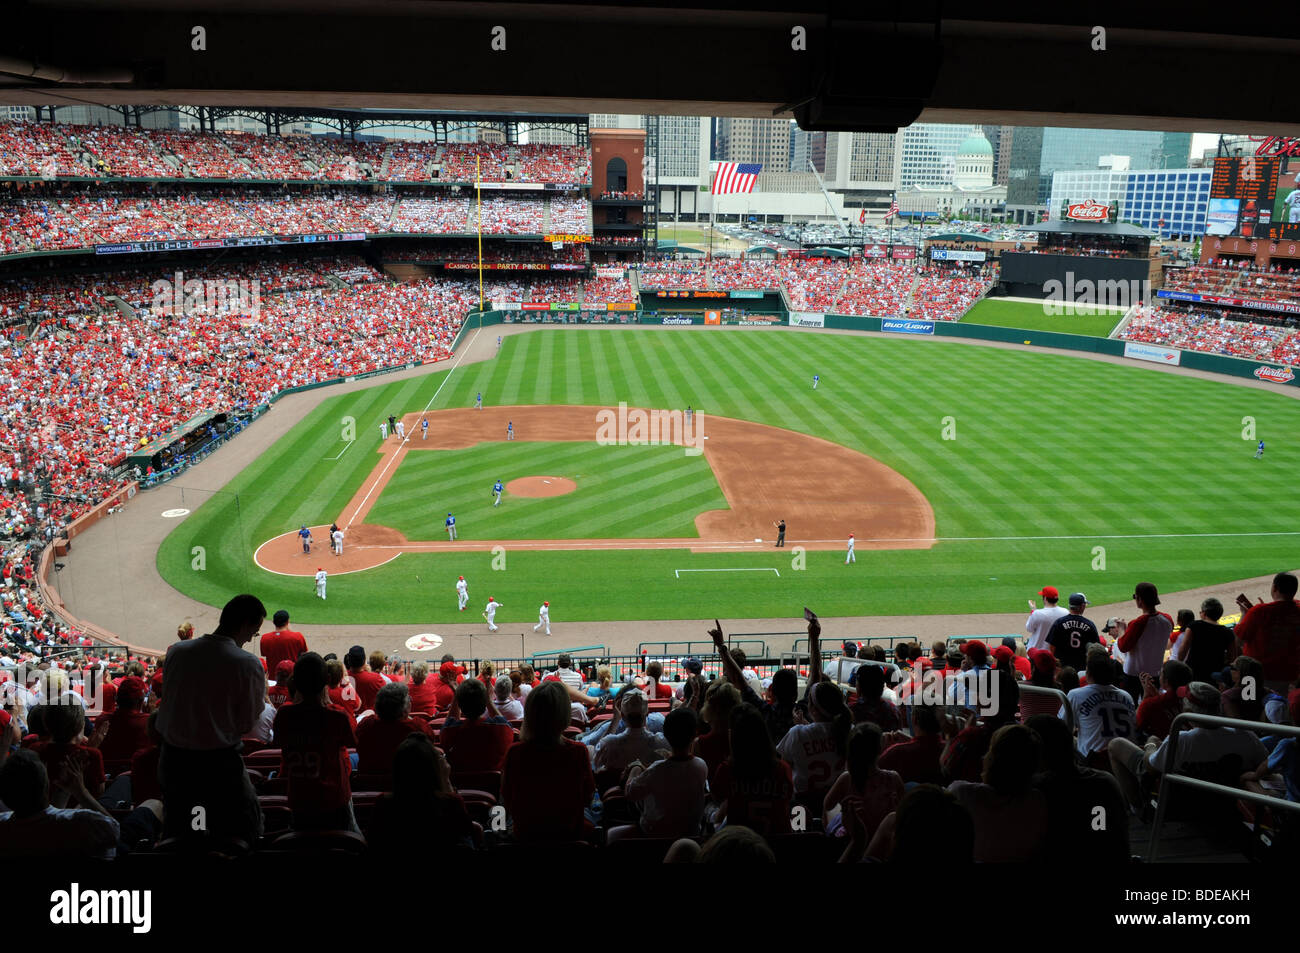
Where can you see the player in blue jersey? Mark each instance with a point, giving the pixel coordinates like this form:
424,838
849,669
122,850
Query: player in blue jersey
496,491
451,527
1259,451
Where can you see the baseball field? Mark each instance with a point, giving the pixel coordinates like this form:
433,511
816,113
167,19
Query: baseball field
969,476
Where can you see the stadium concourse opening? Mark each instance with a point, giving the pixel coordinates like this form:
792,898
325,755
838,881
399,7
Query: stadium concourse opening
759,470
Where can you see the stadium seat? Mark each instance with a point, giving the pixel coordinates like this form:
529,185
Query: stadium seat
312,842
267,759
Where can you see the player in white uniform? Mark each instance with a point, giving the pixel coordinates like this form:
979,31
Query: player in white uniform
462,593
401,429
1040,620
490,613
424,427
337,537
320,582
1292,203
383,431
851,556
544,618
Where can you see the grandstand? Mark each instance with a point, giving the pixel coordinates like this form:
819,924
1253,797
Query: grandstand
128,331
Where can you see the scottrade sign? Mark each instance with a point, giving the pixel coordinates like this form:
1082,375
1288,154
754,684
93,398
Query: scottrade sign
907,327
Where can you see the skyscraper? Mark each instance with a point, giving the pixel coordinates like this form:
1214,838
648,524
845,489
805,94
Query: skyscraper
765,141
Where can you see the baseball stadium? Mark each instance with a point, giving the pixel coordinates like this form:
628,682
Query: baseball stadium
547,500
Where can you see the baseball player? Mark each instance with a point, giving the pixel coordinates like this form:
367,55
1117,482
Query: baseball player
780,532
383,431
1292,203
510,430
424,426
462,593
498,342
1259,451
320,581
851,556
689,414
490,613
544,618
392,424
497,487
337,537
816,380
478,401
305,535
451,527
401,429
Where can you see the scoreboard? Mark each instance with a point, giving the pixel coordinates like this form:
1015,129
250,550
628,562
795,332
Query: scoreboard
1255,197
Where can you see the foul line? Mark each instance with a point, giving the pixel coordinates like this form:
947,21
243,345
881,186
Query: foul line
361,507
343,451
992,539
679,572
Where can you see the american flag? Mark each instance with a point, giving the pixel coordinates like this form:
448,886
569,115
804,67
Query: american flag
893,210
732,177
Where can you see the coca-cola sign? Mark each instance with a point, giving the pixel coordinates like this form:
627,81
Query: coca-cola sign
1276,145
1278,375
1088,211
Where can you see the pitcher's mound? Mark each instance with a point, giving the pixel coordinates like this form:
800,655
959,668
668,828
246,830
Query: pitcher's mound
540,486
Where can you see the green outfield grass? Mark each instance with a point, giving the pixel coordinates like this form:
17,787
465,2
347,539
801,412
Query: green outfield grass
1085,475
1034,317
626,492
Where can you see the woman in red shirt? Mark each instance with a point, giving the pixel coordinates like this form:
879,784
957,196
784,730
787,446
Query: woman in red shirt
315,737
423,690
754,785
546,782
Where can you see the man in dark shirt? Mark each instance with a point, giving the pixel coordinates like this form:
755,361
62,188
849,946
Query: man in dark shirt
780,533
1073,795
1070,635
1207,643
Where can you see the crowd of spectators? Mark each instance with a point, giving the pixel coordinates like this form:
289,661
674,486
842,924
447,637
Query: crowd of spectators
947,296
1050,729
1201,329
596,290
62,150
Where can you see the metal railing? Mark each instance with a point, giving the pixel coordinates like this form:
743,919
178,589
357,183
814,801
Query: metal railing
1172,776
755,648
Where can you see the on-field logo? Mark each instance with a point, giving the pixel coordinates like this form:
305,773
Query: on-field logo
1278,375
642,428
181,296
1088,210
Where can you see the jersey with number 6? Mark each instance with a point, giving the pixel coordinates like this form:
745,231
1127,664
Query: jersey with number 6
1102,712
1069,637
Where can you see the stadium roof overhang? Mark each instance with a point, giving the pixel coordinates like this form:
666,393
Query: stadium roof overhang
1116,230
798,58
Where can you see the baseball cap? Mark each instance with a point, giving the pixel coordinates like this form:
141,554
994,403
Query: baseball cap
460,577
1049,592
546,603
447,671
131,690
1202,695
283,669
1146,591
1002,652
975,648
320,568
1112,621
850,649
1042,659
1078,599
633,698
693,665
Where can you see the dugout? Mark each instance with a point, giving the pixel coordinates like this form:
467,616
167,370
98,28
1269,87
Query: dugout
166,450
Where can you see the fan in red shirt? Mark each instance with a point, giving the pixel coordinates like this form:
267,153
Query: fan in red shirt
315,738
379,735
342,690
423,690
128,726
471,741
655,670
917,759
1160,705
754,786
444,686
1270,632
65,723
368,682
283,673
546,781
282,645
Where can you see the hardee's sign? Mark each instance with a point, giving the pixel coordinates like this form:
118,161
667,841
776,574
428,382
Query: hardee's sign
1088,211
1278,375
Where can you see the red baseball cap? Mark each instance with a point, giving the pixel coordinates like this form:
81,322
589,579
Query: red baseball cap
1049,592
977,647
1003,652
1042,659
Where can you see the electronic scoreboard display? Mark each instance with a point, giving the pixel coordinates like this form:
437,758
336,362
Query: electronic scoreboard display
1255,197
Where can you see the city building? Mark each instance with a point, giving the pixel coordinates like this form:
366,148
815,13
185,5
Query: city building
763,141
1171,202
970,191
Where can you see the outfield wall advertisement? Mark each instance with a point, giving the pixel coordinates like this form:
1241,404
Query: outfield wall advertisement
898,326
1149,352
807,319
